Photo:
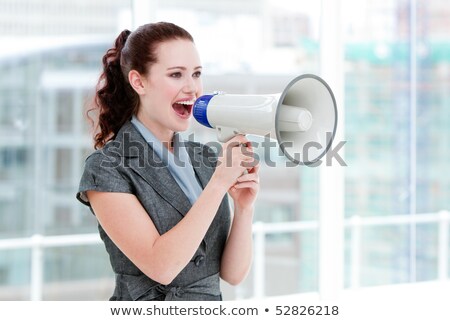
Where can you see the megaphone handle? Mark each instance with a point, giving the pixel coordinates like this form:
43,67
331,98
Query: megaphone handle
224,134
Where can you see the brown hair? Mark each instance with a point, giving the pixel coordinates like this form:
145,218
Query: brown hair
115,100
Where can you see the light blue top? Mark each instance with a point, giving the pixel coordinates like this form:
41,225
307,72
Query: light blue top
178,162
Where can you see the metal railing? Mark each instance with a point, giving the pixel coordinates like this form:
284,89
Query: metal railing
38,243
261,230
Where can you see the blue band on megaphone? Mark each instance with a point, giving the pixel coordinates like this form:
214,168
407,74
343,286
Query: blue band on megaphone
199,110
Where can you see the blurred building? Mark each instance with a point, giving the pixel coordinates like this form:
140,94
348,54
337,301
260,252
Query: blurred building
53,17
378,126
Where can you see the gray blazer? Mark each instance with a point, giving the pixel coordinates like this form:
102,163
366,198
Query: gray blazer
127,164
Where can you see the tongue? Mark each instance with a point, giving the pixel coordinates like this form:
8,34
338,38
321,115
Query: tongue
179,109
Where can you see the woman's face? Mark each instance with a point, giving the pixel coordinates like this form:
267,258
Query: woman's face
171,87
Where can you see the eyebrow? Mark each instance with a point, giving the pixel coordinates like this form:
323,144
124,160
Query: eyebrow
183,68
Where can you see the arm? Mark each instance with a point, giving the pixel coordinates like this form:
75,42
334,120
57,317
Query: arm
237,256
162,257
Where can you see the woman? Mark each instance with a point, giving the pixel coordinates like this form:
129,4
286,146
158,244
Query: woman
161,202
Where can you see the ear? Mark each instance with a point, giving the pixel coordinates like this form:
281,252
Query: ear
136,81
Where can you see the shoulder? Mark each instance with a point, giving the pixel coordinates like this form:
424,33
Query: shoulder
101,173
105,157
126,143
106,162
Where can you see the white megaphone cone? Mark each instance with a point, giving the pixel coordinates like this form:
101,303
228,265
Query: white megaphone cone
303,118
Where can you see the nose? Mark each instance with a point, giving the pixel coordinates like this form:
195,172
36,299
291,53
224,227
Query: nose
190,86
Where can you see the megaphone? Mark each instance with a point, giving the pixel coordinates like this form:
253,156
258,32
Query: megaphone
303,118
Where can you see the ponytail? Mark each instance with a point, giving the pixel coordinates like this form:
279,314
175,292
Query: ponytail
115,100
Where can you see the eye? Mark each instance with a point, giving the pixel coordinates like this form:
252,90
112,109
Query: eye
176,75
197,74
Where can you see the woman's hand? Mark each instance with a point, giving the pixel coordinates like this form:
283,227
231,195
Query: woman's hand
245,190
237,255
238,170
236,157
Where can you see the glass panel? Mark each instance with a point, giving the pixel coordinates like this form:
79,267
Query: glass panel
384,255
395,153
15,274
64,112
433,101
63,167
49,51
427,236
78,273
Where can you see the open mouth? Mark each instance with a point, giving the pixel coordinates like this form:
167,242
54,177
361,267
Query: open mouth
183,108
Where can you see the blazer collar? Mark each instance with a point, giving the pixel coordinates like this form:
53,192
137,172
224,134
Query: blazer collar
139,156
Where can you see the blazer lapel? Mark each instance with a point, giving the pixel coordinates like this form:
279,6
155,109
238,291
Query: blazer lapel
139,156
202,167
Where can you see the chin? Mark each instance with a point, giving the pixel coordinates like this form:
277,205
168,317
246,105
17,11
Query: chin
182,126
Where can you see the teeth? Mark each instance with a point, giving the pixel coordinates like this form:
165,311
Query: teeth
189,102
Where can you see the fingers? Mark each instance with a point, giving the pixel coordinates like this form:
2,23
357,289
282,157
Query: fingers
250,180
236,159
240,139
248,177
244,152
251,185
255,169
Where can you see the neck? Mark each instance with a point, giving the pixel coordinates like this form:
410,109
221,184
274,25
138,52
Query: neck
164,135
